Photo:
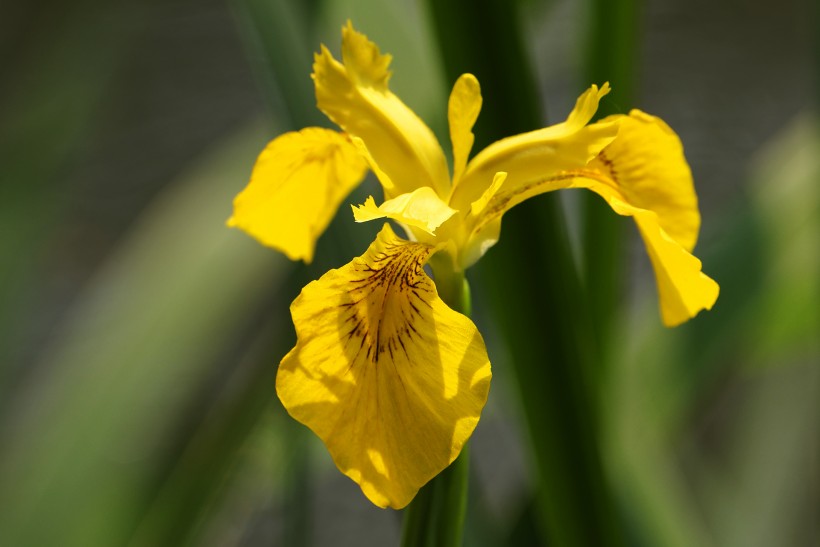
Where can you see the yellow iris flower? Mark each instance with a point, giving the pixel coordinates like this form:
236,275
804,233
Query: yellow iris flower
384,372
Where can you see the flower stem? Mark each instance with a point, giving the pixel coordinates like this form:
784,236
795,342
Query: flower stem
435,518
610,56
533,291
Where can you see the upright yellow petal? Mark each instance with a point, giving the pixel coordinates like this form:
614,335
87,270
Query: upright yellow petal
462,112
391,379
421,209
355,96
296,186
537,155
365,64
585,108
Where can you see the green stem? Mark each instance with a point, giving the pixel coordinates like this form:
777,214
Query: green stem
435,518
611,51
533,289
296,481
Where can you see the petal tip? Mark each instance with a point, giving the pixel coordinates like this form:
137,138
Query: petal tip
364,60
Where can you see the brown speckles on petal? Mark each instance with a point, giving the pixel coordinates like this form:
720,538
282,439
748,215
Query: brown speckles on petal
383,301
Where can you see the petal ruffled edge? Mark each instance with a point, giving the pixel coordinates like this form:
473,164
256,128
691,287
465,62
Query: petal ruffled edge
355,96
388,376
421,209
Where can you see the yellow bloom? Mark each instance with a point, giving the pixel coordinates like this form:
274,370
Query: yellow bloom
384,372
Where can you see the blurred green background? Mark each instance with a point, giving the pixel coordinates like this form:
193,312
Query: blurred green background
139,337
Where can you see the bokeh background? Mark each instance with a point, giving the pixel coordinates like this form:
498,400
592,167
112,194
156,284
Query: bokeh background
139,336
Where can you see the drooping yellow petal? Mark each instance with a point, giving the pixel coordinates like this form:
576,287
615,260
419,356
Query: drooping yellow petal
527,159
355,96
642,174
647,159
391,379
537,155
683,289
296,186
421,208
462,112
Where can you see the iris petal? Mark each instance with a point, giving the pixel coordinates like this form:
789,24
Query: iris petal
355,96
647,157
462,112
527,159
296,187
684,290
534,156
642,174
390,378
421,208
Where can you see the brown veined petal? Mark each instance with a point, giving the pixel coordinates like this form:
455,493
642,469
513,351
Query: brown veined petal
646,176
296,187
388,376
356,97
642,174
648,161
